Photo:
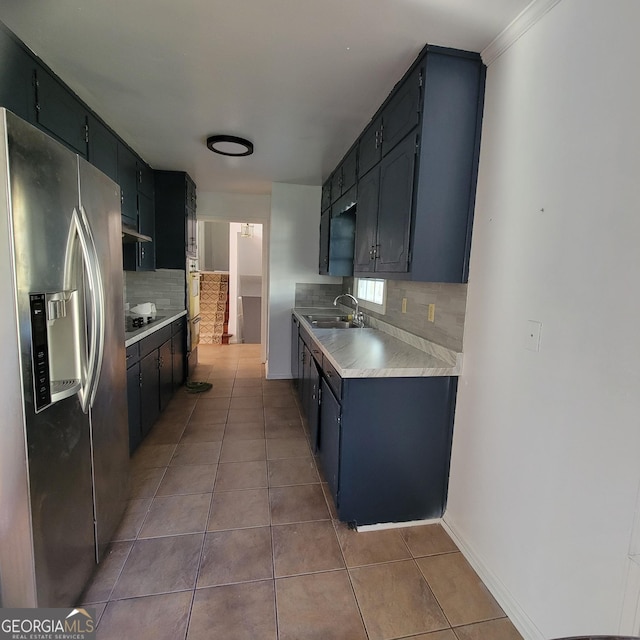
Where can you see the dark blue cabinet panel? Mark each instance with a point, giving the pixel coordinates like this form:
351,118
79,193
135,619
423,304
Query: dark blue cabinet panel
395,448
60,114
329,438
176,229
395,208
103,148
127,179
165,374
149,392
370,147
133,400
325,224
402,112
17,68
367,222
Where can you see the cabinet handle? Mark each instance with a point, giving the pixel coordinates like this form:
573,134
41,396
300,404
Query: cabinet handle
372,252
329,374
140,380
122,197
377,139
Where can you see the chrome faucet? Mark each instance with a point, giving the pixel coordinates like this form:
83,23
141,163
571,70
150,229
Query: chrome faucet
358,318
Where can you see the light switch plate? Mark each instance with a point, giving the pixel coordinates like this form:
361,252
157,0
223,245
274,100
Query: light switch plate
532,338
404,305
431,317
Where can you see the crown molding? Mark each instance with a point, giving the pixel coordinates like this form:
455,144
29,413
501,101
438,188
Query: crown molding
518,27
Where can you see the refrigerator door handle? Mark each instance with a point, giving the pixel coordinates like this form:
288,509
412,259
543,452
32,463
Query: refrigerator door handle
91,362
97,313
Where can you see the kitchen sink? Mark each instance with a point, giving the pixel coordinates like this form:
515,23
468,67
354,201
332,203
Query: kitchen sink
331,322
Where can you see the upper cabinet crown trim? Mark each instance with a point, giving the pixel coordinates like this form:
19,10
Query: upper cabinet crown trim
529,16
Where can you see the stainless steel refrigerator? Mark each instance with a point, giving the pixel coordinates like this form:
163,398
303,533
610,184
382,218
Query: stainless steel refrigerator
64,462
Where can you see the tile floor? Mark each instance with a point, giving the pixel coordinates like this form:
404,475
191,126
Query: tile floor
228,535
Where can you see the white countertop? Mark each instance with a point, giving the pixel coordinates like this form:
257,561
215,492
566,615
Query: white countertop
373,353
168,316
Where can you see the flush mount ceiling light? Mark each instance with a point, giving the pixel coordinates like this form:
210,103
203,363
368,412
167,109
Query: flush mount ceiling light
230,145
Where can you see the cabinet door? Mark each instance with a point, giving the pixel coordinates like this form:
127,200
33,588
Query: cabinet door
17,92
103,148
370,149
133,399
165,369
336,184
325,224
301,358
128,185
329,438
366,222
313,408
295,334
60,113
349,169
146,225
326,195
149,391
145,179
394,211
402,113
177,358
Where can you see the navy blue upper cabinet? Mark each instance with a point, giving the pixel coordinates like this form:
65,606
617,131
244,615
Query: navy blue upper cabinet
17,68
326,195
402,112
394,208
176,228
417,170
103,148
367,222
60,113
370,147
128,181
430,146
145,179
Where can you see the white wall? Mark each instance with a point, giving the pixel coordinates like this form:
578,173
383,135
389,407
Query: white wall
546,451
293,257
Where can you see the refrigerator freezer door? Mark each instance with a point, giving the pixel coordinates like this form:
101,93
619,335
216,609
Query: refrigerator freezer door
38,198
100,202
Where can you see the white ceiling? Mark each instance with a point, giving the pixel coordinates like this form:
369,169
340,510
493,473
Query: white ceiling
300,78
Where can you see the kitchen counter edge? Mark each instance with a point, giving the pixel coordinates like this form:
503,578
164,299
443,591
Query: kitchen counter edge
135,336
352,352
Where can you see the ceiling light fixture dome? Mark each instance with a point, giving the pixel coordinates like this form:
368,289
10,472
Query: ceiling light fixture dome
230,145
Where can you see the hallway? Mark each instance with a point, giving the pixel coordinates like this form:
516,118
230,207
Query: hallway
228,535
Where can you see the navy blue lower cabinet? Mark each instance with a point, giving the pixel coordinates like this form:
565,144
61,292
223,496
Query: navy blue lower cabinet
393,438
329,438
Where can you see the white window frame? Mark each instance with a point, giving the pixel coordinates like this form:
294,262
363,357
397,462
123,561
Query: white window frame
366,299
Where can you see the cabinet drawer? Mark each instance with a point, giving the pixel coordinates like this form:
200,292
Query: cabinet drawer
316,353
152,342
133,354
332,377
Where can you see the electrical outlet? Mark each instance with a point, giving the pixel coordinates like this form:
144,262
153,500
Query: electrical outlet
404,305
431,317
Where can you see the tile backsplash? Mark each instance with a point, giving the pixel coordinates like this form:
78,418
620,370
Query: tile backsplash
316,295
165,287
450,300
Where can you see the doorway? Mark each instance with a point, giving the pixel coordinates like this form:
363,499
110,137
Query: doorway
230,256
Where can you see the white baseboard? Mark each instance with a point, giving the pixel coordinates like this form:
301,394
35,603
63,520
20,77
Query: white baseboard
499,591
396,525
